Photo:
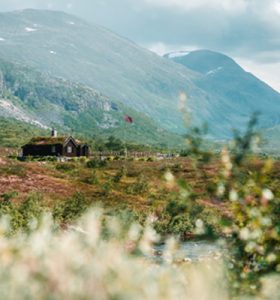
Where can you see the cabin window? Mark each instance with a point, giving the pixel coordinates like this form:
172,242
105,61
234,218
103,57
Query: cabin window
69,149
53,149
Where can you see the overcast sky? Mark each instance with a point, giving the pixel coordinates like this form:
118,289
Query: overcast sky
247,30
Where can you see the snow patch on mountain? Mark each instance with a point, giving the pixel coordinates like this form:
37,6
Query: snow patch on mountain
177,54
30,29
212,72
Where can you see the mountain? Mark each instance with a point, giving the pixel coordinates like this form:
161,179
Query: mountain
65,46
45,101
234,93
58,45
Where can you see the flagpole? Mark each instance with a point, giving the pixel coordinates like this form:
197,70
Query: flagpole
125,145
128,120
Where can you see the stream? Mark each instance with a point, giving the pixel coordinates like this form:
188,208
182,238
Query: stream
192,250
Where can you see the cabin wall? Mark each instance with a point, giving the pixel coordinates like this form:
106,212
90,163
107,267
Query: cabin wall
42,150
74,152
57,150
84,150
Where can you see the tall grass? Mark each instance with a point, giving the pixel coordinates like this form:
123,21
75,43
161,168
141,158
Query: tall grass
79,263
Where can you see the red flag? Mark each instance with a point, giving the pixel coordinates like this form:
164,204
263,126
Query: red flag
128,119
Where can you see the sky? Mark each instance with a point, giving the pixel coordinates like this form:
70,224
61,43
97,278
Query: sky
246,30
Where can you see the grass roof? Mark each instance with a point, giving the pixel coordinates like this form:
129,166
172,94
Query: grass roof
49,140
43,140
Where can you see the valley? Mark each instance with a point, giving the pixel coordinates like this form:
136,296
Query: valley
143,176
115,74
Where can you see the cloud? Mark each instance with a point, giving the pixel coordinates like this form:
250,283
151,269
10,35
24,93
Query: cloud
232,6
162,49
246,29
266,71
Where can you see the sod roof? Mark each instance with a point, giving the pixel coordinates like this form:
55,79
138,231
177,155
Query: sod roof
43,140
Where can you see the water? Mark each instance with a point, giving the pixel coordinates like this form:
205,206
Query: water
193,250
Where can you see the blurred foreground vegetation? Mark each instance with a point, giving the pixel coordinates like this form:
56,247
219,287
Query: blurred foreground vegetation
231,196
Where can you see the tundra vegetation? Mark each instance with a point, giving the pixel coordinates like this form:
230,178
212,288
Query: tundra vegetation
87,228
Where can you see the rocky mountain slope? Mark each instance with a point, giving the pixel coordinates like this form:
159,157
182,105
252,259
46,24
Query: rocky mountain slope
38,99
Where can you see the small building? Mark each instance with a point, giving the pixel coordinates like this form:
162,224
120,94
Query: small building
60,146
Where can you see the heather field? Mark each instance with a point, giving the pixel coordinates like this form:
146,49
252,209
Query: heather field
119,227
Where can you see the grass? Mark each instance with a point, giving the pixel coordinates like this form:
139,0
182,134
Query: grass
182,197
137,186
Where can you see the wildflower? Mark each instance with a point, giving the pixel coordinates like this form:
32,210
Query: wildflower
250,247
266,221
134,232
200,228
221,190
271,258
256,234
169,177
267,194
244,234
233,195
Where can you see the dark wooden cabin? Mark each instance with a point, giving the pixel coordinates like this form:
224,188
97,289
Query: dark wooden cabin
55,146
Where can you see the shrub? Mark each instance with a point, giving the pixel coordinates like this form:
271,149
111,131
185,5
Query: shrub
139,187
117,178
9,196
66,167
71,209
107,188
90,178
96,163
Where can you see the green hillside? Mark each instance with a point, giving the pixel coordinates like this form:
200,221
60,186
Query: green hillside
15,133
45,101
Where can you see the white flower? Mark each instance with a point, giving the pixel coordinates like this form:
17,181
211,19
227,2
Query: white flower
256,234
233,195
271,258
267,194
221,190
169,177
244,234
200,228
266,221
250,247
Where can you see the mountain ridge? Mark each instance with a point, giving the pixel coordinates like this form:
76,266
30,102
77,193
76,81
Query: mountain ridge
67,47
238,92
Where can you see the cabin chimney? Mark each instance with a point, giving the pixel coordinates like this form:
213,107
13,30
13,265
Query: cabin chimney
54,133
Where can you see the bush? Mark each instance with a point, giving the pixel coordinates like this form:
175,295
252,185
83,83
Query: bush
9,196
139,187
90,178
71,209
117,178
66,167
96,163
